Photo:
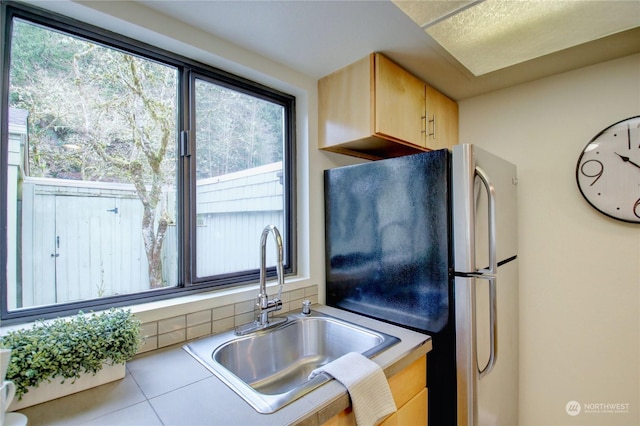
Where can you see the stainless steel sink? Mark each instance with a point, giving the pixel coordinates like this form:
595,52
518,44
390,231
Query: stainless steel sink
269,369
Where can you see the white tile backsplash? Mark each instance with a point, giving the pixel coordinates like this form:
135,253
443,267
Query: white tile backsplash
222,325
171,324
172,338
244,318
149,343
199,330
244,307
296,294
149,329
222,312
178,329
197,318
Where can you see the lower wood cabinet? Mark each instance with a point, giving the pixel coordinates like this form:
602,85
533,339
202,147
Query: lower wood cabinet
409,391
413,413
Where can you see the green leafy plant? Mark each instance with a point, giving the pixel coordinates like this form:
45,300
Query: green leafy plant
70,347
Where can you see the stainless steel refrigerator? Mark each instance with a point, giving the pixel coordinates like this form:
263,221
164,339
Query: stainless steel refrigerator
429,242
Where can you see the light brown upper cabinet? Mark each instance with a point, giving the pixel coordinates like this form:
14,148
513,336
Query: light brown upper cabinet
442,120
398,103
375,109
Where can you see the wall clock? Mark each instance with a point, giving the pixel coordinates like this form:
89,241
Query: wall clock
608,171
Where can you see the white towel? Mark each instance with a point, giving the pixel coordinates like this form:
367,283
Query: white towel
371,397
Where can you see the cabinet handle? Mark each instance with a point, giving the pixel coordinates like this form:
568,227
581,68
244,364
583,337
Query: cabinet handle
433,134
425,126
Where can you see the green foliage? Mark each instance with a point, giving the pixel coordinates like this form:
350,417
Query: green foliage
68,348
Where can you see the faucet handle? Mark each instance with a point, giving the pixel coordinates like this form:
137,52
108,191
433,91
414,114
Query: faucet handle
306,307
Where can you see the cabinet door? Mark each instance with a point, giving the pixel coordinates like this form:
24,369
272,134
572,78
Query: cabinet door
442,120
409,394
399,103
344,105
414,412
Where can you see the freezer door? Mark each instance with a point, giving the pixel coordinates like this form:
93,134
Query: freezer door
486,295
470,207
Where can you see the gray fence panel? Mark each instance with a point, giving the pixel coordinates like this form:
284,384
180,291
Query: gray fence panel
82,240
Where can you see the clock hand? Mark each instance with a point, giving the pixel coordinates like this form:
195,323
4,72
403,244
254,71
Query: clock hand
627,160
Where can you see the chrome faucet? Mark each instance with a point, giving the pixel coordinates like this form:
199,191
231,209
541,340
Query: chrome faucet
263,304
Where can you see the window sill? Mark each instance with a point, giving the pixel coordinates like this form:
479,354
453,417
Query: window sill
183,305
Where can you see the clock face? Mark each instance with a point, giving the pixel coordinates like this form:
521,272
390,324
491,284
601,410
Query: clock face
608,171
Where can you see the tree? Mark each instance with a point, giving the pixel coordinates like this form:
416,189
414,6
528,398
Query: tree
151,121
235,131
99,114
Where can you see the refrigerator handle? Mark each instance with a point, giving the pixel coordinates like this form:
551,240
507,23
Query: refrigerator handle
491,207
493,331
490,273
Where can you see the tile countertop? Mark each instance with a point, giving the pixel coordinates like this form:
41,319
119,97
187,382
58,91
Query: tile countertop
169,387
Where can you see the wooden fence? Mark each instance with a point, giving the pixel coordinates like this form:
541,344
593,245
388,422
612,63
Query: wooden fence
82,240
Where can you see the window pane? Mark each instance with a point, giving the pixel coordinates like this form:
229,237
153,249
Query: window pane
92,170
239,178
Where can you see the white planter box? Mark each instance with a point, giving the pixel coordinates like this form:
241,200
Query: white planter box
47,391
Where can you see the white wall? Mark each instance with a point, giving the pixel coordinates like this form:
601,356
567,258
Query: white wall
580,270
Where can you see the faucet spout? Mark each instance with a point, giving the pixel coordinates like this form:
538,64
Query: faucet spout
270,229
263,305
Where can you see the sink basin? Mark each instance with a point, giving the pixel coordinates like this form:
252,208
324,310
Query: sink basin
269,369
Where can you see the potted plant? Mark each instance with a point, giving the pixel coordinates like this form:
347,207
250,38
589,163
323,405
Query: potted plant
72,352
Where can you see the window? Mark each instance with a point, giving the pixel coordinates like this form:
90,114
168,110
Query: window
131,173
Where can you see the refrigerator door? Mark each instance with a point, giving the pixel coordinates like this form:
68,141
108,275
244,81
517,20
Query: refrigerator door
497,391
485,287
387,241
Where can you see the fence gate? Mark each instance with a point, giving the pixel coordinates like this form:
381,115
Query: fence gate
84,246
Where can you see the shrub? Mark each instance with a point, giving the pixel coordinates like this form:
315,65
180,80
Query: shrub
70,347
